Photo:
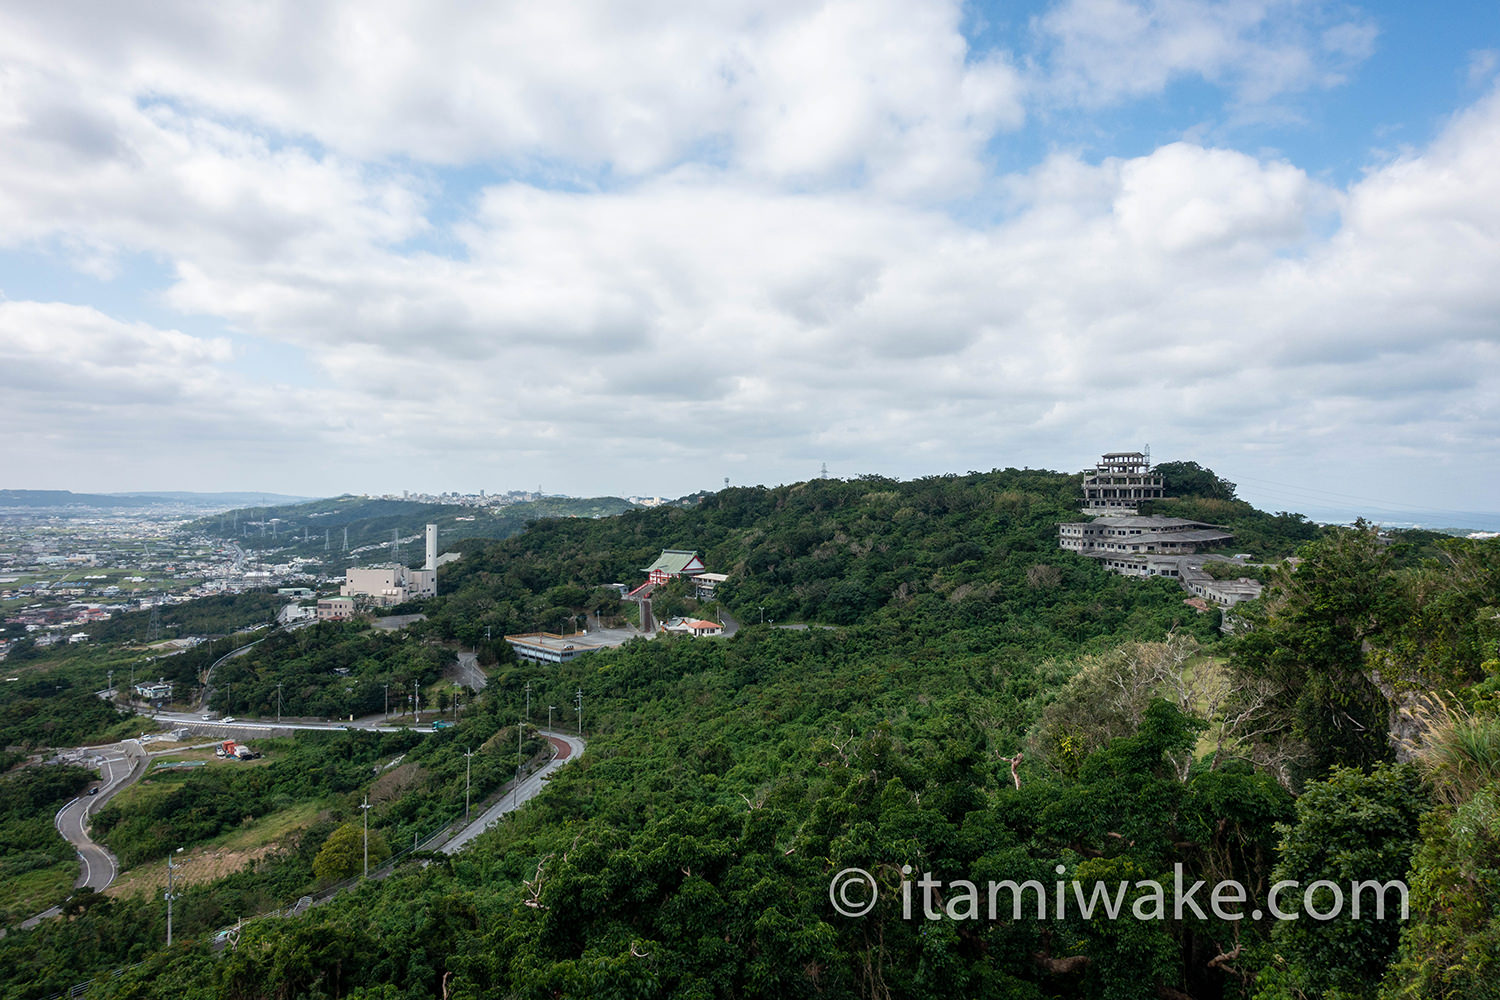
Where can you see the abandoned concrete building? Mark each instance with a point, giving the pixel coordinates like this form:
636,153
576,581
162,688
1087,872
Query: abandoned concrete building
1133,545
1120,483
1168,535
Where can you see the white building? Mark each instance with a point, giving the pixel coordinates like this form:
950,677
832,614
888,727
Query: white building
393,584
335,609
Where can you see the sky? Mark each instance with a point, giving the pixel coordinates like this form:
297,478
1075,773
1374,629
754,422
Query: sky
639,248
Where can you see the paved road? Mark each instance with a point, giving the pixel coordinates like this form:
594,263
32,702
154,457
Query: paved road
208,675
567,748
120,765
391,623
196,722
469,673
730,625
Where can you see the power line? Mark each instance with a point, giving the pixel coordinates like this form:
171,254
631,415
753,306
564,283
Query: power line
1350,496
1305,493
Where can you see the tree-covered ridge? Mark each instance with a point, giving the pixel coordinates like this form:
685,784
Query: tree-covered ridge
51,711
929,556
328,670
316,529
1011,711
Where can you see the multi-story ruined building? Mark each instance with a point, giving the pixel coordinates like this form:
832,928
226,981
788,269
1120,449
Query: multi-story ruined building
1134,545
1120,483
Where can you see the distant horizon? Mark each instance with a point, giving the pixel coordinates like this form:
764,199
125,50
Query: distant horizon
1433,519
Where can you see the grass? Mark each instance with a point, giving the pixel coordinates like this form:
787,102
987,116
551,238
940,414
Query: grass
1458,750
223,855
37,890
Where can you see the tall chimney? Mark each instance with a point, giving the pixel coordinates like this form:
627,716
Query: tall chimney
431,547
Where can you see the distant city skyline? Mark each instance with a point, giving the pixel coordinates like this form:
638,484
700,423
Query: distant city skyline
620,249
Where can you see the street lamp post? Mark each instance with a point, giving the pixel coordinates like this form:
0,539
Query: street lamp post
278,701
387,686
528,701
580,713
550,709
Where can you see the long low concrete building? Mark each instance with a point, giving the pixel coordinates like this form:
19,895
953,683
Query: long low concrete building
1174,535
1145,546
549,647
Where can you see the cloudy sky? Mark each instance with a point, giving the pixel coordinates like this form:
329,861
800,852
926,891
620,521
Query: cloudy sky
638,247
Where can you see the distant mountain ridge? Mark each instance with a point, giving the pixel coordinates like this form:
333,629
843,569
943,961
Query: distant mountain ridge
137,499
348,528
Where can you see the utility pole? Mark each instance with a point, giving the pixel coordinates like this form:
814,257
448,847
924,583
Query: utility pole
365,807
528,702
170,893
550,709
278,701
467,766
387,686
416,704
580,713
515,790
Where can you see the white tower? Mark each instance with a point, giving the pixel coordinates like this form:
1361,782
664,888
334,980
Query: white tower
431,564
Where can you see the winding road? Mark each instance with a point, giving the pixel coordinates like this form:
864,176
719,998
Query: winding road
120,764
567,747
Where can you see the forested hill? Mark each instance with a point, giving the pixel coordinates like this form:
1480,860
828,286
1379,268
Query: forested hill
982,708
317,528
940,552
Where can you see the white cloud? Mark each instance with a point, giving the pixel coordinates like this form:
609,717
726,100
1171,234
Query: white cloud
1103,52
772,284
879,89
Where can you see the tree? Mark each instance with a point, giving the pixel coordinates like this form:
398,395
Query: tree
1352,828
342,854
1310,642
1189,479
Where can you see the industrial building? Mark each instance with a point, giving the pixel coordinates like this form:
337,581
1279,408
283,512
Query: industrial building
384,586
335,609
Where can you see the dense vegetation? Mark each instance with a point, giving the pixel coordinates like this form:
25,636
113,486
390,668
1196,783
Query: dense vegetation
36,865
329,670
316,529
982,707
202,617
930,560
53,710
